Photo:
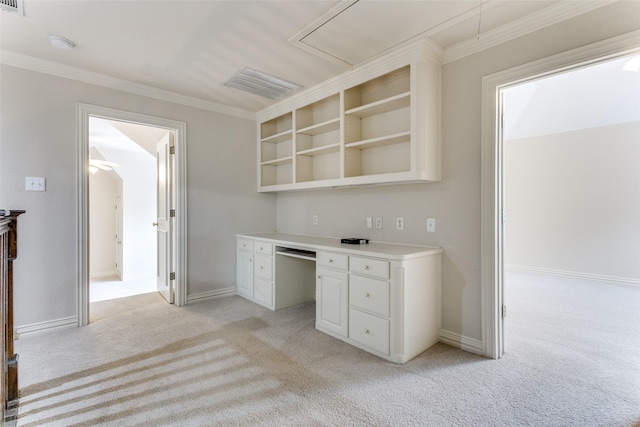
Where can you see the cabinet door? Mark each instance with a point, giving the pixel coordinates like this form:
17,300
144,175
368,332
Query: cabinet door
332,301
245,274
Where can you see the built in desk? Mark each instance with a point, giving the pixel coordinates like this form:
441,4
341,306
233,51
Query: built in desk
381,297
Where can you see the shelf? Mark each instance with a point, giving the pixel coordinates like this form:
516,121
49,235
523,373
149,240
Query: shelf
319,151
381,141
278,162
393,103
279,137
324,127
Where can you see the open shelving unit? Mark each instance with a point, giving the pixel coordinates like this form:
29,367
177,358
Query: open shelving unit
376,124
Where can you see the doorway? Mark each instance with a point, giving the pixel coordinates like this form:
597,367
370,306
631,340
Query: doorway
571,197
492,208
178,187
122,200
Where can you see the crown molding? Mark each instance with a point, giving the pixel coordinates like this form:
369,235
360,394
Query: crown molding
55,69
546,17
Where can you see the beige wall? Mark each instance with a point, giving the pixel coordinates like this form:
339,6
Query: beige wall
38,138
572,202
455,201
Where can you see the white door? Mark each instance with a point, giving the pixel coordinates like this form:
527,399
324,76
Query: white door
332,301
119,236
164,221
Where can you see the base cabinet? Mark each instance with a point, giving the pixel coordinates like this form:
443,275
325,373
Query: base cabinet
332,301
387,305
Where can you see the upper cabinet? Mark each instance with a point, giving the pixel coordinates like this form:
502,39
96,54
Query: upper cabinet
376,124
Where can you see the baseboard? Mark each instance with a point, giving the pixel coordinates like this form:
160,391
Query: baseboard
47,326
218,293
460,341
575,274
103,274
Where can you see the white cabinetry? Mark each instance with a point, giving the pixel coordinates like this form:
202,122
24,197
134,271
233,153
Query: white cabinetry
379,123
380,297
332,294
244,276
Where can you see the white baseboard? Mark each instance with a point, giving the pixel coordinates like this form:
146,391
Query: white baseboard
47,326
218,293
103,274
575,274
460,341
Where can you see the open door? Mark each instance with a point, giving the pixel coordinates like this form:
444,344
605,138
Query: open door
164,222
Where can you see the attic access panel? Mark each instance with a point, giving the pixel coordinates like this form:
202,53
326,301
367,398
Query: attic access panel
358,30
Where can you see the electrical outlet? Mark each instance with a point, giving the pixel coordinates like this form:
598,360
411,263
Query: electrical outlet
369,222
379,222
399,223
315,220
431,225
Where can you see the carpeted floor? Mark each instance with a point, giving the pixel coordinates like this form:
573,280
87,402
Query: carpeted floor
231,362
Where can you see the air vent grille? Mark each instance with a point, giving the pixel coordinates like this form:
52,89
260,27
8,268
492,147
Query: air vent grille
261,84
12,6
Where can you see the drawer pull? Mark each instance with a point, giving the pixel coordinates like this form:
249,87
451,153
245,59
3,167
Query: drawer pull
319,277
366,267
366,331
330,260
261,268
261,248
250,260
367,295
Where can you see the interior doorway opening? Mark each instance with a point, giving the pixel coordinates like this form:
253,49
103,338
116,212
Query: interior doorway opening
175,255
571,210
492,209
122,211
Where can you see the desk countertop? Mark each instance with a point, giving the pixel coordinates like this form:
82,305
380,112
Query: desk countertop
316,243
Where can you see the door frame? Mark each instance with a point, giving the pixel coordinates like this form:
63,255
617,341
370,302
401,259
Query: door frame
492,267
83,112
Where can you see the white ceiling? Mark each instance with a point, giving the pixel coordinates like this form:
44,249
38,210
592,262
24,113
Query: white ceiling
191,48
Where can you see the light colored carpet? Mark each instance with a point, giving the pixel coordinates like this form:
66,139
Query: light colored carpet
231,362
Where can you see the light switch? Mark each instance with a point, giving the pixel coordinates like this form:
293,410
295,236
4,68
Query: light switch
431,225
379,222
369,222
35,183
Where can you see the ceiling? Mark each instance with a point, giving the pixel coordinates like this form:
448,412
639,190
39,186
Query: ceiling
190,48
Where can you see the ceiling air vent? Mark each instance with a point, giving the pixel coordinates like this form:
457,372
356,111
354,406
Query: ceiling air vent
12,6
260,83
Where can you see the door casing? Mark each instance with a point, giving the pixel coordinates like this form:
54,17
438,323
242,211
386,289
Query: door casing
83,113
491,280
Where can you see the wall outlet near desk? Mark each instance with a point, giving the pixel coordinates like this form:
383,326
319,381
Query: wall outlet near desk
315,219
399,223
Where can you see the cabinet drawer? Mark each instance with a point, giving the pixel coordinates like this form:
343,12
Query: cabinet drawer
263,266
370,267
369,330
245,244
369,294
263,292
332,260
263,248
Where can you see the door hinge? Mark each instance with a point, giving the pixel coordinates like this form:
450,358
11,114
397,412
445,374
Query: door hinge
172,276
172,150
504,311
172,213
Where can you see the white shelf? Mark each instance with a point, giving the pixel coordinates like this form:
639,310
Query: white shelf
324,127
319,151
278,162
381,141
279,137
380,107
376,124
